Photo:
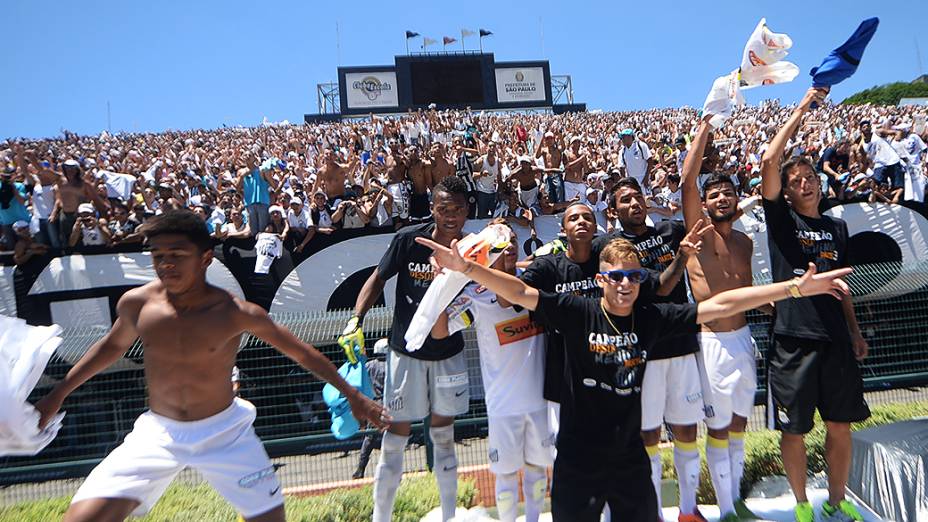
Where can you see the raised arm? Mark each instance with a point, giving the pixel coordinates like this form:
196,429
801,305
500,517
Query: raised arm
101,355
509,287
731,302
255,320
771,185
692,203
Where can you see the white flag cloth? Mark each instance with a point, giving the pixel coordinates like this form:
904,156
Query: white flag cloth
483,248
269,248
24,353
762,61
467,32
761,64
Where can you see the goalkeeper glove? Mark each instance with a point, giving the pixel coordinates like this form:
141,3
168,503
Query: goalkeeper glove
352,340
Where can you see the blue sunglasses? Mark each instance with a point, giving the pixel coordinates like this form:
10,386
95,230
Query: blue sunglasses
634,277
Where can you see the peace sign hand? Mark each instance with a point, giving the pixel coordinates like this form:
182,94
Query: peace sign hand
692,242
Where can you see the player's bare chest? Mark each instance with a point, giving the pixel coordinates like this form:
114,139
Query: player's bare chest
190,331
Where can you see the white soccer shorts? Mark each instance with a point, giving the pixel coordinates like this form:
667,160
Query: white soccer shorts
517,440
223,448
732,370
671,391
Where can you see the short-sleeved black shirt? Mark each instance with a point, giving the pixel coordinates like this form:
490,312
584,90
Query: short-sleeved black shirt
601,410
409,261
557,273
657,248
795,241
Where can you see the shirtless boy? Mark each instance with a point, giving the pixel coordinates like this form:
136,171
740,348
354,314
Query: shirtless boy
191,332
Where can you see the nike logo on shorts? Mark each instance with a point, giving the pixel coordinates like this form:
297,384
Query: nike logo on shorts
462,392
274,491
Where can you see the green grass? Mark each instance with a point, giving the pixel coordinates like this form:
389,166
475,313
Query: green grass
181,503
417,496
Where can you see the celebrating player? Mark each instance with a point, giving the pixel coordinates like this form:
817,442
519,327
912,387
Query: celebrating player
191,332
608,341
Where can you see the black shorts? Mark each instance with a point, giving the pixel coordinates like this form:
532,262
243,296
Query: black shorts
578,493
419,206
805,374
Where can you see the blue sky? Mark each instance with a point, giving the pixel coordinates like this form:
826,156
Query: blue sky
174,64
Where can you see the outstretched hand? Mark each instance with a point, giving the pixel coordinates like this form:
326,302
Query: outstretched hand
814,283
366,410
692,241
445,256
814,97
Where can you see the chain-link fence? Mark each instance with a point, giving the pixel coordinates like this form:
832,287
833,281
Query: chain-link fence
294,422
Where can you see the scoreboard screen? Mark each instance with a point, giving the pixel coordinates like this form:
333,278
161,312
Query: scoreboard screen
447,82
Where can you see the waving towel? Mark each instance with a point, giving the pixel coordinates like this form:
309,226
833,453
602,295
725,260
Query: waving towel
841,63
24,352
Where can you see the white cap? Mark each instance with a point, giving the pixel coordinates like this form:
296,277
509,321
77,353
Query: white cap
276,208
20,224
296,200
381,346
525,158
85,208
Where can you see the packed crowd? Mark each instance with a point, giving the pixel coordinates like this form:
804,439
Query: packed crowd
303,183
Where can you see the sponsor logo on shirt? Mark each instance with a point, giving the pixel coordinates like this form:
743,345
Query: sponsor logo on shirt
517,329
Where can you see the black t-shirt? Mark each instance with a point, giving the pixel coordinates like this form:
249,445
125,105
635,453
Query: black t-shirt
794,241
559,274
601,410
409,261
838,162
656,250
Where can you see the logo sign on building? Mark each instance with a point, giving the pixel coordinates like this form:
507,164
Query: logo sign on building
371,89
520,84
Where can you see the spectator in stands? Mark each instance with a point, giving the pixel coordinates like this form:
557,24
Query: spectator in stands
13,198
88,230
278,225
255,185
26,248
635,158
235,227
122,227
299,220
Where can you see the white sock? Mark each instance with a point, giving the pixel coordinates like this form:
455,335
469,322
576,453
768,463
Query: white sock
446,468
720,470
686,462
388,475
607,514
736,455
654,453
507,496
534,486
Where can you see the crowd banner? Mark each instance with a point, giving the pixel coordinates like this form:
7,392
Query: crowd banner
371,89
82,289
520,84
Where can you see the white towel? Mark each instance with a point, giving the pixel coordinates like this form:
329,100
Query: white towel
483,248
761,64
24,353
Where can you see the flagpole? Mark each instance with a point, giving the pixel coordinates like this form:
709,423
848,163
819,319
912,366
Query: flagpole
481,43
407,46
462,40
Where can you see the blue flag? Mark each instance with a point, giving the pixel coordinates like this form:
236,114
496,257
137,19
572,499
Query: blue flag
841,63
